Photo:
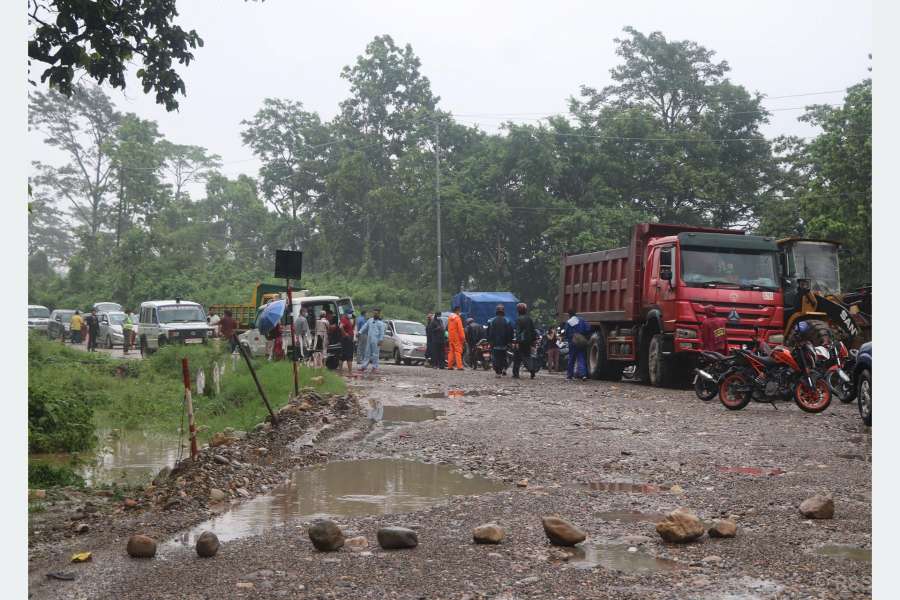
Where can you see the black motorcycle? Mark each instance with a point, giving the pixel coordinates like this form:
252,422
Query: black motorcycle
711,367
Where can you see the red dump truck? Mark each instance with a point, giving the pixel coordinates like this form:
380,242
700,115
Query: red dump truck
645,302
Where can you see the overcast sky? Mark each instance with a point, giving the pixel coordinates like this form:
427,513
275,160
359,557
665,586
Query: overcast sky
496,58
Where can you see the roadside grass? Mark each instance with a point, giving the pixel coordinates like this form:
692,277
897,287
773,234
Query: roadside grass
96,391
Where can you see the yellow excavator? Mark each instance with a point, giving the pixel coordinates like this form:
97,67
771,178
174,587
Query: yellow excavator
812,292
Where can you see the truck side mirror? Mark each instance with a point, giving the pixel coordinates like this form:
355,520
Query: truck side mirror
666,275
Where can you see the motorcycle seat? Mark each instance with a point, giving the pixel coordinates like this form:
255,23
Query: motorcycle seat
712,355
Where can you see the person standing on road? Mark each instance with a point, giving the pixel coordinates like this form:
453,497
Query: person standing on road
374,330
457,339
75,325
127,332
321,348
525,338
499,335
93,327
361,339
227,325
301,328
346,328
436,327
551,349
474,333
429,340
577,331
712,331
214,322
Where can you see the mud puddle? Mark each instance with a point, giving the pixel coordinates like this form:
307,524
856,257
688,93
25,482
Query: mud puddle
845,552
123,456
407,413
617,557
343,489
458,393
630,516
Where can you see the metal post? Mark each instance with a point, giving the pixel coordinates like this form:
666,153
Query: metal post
437,199
294,352
246,356
192,428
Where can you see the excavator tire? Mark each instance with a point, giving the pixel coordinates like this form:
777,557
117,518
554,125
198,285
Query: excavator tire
821,333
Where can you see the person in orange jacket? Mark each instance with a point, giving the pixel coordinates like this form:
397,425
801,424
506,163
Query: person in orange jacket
457,339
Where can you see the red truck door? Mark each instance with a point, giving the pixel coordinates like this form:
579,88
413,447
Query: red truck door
661,291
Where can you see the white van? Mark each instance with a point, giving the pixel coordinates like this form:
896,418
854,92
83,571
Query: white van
164,322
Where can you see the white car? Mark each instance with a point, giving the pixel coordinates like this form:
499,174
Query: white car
38,317
165,322
111,333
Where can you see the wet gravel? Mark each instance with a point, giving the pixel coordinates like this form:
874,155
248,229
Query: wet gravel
561,437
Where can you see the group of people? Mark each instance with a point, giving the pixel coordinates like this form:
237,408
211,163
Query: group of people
87,330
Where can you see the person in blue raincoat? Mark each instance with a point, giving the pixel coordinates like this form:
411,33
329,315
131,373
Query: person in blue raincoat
374,332
577,326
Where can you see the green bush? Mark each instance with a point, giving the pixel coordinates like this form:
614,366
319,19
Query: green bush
60,417
167,360
43,475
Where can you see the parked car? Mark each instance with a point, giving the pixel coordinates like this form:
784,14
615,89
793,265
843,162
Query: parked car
862,377
404,341
165,322
59,323
111,329
102,307
253,341
38,317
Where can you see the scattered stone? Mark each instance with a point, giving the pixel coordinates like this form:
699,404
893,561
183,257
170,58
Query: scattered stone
37,494
325,535
207,544
489,533
523,483
245,585
218,458
676,489
216,495
81,528
818,507
634,540
317,380
395,538
141,546
680,526
723,528
528,581
632,549
561,532
242,492
221,439
172,503
357,544
711,559
130,503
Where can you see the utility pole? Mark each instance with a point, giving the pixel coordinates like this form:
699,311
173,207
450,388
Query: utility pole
437,199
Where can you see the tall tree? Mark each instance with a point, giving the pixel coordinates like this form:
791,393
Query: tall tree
83,127
103,37
291,143
185,164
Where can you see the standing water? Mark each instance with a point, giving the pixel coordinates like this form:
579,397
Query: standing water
344,489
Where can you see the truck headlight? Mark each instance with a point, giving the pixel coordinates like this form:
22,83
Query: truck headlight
686,333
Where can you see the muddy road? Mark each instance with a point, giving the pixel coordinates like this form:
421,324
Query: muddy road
445,452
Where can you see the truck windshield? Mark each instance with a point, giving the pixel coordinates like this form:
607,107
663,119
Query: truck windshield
818,262
38,313
726,266
181,314
409,328
116,318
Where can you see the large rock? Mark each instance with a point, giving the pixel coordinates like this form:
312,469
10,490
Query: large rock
394,538
326,536
489,533
817,507
216,495
357,544
725,528
680,526
222,438
561,532
141,546
207,544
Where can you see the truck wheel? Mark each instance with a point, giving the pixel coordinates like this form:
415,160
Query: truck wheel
660,370
598,363
821,333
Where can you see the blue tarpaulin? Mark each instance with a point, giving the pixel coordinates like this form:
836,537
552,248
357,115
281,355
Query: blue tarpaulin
481,306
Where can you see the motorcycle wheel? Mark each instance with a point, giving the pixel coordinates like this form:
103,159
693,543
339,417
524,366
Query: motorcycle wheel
706,390
812,400
734,399
841,390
